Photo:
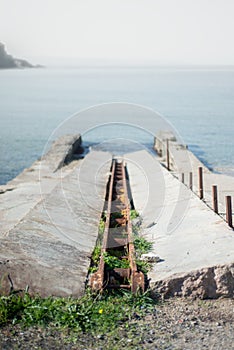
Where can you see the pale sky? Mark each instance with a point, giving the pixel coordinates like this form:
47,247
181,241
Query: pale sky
131,31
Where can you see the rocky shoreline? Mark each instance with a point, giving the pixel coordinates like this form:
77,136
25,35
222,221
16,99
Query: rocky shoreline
7,61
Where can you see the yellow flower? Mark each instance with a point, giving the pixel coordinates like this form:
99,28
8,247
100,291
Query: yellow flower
100,311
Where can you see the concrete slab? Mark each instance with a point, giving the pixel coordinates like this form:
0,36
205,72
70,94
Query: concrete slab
184,161
50,215
188,237
49,249
21,194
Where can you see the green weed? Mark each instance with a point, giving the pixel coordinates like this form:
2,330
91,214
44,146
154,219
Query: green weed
113,262
101,227
95,258
142,246
94,313
133,214
143,266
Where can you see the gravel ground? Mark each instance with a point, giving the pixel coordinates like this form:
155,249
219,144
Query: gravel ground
175,324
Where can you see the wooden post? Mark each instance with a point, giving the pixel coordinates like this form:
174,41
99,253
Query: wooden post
191,181
200,183
215,199
229,210
182,178
168,155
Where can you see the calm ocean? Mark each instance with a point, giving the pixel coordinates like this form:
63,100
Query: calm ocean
198,102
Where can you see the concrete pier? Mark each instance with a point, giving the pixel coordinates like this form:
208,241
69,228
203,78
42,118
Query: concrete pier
183,163
195,245
50,226
50,215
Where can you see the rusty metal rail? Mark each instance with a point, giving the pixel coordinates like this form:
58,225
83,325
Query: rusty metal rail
118,239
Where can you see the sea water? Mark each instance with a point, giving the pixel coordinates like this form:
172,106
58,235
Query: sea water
197,101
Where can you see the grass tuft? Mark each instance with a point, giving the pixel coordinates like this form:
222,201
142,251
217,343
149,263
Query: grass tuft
92,313
142,246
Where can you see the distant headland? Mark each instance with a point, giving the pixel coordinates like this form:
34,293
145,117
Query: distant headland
7,61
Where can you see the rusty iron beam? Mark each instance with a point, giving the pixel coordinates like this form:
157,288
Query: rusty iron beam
191,181
215,199
118,201
229,211
200,182
182,178
168,154
97,278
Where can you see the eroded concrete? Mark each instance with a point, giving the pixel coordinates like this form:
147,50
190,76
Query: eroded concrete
190,239
47,240
21,194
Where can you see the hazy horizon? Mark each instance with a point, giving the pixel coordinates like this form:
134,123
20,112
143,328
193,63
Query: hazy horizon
156,32
73,62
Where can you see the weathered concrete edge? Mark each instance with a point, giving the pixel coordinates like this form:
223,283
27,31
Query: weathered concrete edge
37,180
178,153
62,150
65,272
206,283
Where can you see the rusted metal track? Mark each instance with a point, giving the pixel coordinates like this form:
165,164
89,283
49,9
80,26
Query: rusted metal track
118,239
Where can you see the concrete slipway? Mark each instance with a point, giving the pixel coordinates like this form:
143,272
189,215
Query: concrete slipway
50,226
195,245
50,215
